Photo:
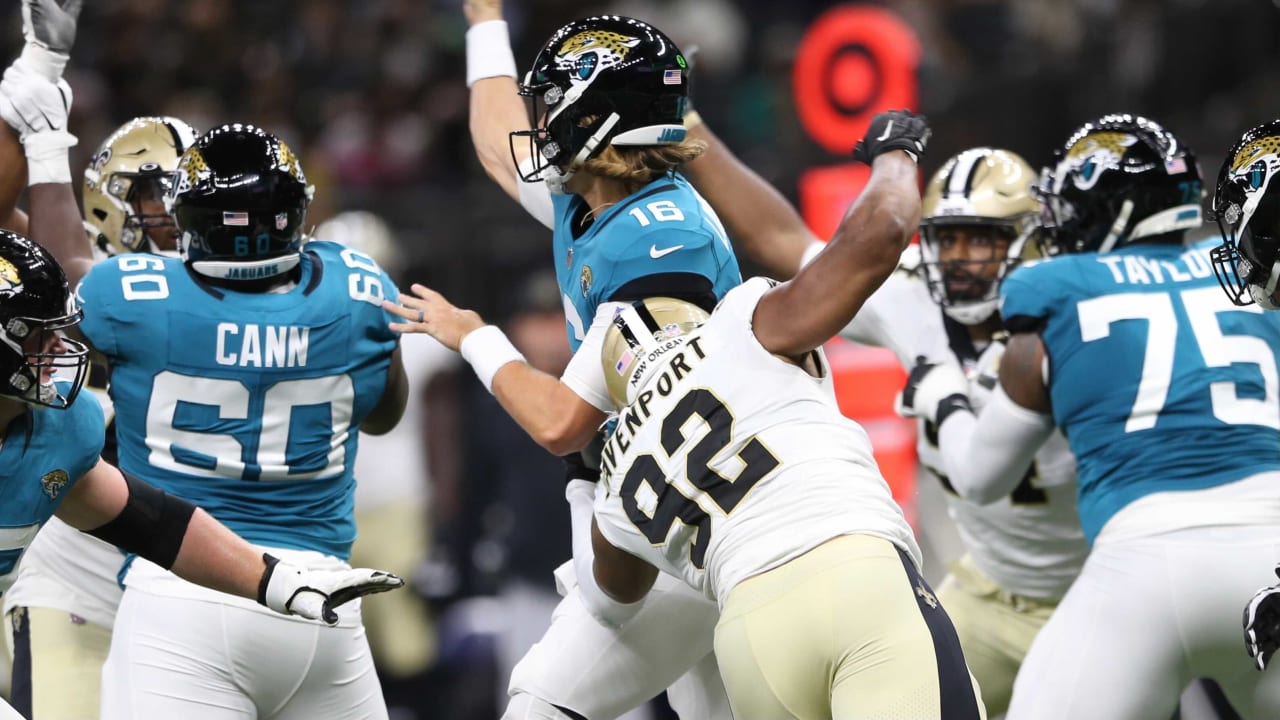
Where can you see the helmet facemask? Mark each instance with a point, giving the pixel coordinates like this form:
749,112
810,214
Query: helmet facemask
969,289
1247,209
36,348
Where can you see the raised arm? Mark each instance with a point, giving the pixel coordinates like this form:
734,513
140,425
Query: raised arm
806,311
496,106
35,103
759,219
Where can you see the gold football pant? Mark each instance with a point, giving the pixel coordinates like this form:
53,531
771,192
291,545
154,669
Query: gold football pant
57,663
847,631
995,628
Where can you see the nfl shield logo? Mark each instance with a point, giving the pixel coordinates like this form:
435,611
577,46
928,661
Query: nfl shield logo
282,221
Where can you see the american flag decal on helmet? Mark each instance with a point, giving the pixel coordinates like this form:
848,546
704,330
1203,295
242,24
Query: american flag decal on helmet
671,77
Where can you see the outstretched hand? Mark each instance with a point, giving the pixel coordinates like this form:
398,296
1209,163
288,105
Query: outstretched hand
427,311
315,594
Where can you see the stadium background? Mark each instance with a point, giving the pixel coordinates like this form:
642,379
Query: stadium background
371,93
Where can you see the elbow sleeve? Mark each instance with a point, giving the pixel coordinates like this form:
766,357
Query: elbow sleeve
987,456
152,524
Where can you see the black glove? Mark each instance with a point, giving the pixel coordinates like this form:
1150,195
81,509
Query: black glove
893,130
1262,624
933,391
577,467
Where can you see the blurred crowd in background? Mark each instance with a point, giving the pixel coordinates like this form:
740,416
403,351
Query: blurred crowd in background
372,94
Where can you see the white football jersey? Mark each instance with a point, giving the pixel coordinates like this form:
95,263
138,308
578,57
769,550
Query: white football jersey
732,461
1029,543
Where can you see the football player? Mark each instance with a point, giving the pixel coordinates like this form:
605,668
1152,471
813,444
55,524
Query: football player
980,219
1126,344
600,168
66,591
240,374
50,440
1246,208
767,548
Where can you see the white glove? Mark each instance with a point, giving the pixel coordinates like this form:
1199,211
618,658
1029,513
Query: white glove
313,594
1262,624
30,103
933,391
49,27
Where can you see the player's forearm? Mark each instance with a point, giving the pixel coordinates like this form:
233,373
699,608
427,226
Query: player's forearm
552,414
213,556
496,111
828,292
759,219
986,456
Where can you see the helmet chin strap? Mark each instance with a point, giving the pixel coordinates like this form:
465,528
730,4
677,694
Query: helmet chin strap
1117,227
555,178
972,313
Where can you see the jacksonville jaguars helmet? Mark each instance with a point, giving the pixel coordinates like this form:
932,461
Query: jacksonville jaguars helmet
1116,180
641,333
986,192
1246,204
138,161
601,81
240,203
36,305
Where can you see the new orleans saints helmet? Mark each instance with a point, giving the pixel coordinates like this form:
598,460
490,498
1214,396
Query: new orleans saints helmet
138,160
987,192
642,333
240,203
1116,180
35,304
1246,204
601,81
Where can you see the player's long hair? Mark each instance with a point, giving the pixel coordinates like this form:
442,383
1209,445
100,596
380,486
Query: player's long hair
636,167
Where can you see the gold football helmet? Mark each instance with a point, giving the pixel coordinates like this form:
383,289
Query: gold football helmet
985,195
137,162
642,333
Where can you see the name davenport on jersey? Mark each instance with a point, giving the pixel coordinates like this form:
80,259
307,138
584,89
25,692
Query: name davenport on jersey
679,365
731,461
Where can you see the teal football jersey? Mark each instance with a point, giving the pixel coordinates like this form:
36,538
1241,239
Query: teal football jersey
247,404
44,453
664,227
1157,380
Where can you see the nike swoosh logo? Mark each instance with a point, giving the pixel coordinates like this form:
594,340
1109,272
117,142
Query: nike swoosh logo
887,129
655,253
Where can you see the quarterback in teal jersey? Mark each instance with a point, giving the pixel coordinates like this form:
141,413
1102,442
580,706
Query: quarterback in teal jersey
1126,343
599,161
242,372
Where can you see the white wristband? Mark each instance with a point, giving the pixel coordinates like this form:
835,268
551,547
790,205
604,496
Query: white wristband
41,61
47,156
489,52
487,350
811,252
